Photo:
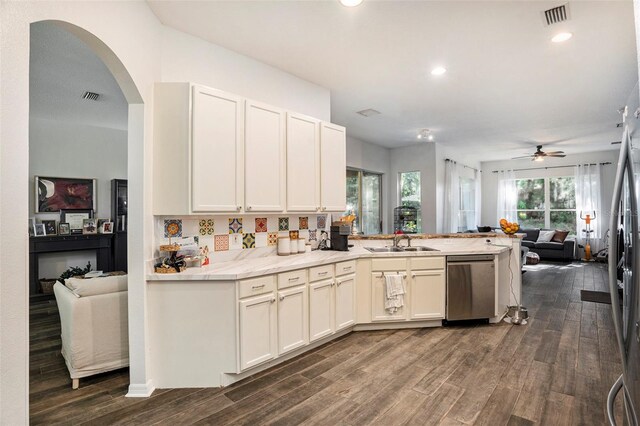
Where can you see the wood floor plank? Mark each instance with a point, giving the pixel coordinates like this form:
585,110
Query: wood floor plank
558,410
498,408
532,399
436,407
588,358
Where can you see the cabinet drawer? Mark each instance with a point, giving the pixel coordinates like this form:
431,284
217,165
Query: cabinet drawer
293,278
388,264
257,286
321,272
344,268
427,263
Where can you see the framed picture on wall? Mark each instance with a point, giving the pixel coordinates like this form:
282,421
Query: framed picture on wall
75,219
54,194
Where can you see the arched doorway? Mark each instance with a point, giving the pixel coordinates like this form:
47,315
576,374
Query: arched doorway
135,175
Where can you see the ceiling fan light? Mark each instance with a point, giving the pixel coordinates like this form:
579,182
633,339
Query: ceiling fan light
539,158
438,71
350,3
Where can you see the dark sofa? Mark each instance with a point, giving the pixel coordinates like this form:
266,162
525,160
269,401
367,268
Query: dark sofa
564,251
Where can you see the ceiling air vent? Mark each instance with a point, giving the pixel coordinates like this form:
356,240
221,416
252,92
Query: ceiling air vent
556,15
91,96
368,112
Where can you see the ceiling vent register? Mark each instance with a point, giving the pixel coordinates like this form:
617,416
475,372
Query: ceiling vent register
91,96
368,112
556,15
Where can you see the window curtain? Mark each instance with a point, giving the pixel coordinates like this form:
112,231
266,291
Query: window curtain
451,196
588,199
478,198
507,196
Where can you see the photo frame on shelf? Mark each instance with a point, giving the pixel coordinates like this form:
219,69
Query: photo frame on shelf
75,219
63,229
50,227
32,226
54,194
38,230
89,227
107,228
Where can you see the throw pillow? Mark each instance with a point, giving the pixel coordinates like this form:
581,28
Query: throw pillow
560,236
531,234
545,236
93,286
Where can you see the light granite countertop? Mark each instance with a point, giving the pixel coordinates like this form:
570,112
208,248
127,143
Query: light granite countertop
271,264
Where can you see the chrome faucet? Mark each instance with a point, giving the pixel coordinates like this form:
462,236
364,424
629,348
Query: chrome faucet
398,237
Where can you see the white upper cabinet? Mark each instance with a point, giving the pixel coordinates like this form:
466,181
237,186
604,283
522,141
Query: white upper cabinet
217,151
333,168
303,163
264,158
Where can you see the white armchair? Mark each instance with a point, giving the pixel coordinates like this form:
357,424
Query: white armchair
94,324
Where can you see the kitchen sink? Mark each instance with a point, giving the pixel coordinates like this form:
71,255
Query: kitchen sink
422,248
384,249
398,249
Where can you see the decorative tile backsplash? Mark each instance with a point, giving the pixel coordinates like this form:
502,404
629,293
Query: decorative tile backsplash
228,233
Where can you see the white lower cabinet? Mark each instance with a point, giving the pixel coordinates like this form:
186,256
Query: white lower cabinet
321,309
258,330
293,318
345,301
427,289
378,312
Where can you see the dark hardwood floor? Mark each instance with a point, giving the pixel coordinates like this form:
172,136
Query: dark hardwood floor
557,369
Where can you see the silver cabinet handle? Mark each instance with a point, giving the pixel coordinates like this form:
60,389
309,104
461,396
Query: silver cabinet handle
239,208
413,275
273,300
338,283
323,273
346,268
318,208
333,283
294,279
248,207
281,298
324,209
256,287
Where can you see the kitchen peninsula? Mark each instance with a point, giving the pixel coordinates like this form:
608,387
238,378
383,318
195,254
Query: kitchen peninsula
215,325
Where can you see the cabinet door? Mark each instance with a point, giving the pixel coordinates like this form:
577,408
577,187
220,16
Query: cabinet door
293,318
427,295
303,163
378,312
264,158
321,309
345,301
216,151
333,168
258,342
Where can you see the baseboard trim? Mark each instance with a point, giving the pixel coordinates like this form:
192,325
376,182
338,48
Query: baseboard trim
137,390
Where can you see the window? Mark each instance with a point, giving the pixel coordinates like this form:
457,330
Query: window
410,196
364,200
547,203
467,213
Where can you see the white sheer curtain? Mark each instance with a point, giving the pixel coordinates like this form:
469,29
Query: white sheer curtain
451,196
478,198
589,199
507,196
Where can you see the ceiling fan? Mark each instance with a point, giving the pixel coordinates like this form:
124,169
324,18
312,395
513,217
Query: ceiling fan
539,155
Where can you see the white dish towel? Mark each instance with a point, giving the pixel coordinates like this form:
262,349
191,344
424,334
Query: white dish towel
394,292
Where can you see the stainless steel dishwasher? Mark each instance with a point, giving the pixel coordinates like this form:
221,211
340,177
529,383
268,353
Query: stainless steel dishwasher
470,287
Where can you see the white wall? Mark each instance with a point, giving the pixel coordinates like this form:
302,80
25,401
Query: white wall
417,158
71,150
490,179
188,58
374,158
131,32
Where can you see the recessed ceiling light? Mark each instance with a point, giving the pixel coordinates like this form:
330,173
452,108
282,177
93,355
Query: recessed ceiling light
430,137
438,71
560,37
350,3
